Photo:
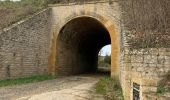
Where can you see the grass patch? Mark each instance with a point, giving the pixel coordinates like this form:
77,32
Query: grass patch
110,88
32,79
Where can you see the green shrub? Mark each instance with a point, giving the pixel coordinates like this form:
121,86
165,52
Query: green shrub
107,59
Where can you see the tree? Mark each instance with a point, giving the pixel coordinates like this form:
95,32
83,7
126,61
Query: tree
147,21
107,59
100,53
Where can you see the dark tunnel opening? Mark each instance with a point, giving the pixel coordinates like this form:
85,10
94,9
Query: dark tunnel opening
78,45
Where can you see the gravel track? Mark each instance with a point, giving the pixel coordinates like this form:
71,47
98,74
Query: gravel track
63,88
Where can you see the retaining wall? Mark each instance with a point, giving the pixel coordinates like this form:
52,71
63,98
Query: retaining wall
145,67
24,47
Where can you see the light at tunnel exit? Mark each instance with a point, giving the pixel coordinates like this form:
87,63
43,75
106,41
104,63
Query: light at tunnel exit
106,50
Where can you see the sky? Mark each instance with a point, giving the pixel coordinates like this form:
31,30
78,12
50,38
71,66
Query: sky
106,50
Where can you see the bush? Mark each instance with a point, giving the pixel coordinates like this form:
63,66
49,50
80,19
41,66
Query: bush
148,21
107,59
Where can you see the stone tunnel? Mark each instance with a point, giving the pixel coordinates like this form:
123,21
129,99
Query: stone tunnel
66,39
78,45
77,37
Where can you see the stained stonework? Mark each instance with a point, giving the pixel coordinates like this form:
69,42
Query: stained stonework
107,18
145,67
24,47
33,47
29,47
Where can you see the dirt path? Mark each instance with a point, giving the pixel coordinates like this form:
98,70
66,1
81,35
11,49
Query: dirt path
66,88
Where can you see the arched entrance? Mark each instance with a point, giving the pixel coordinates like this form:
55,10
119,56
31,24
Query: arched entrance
78,44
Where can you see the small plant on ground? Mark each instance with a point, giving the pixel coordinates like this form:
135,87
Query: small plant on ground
110,88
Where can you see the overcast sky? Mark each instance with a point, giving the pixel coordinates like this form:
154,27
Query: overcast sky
106,50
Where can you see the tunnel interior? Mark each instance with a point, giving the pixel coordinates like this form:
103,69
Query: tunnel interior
78,44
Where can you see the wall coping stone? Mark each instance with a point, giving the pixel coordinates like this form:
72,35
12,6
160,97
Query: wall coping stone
79,3
22,21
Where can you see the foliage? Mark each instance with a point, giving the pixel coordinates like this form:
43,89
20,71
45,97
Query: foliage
164,85
31,79
104,63
107,59
110,88
162,90
148,21
149,40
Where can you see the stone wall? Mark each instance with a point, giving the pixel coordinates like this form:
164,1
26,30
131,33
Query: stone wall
24,47
29,47
145,67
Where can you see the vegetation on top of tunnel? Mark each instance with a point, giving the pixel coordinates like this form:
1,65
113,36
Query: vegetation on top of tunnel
147,23
31,79
110,88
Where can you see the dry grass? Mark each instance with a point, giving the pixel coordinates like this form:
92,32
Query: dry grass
9,16
148,21
11,12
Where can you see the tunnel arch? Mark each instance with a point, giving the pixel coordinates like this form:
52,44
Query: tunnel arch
106,27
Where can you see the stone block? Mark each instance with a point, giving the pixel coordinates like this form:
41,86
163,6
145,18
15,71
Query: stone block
149,82
137,58
154,51
149,89
150,59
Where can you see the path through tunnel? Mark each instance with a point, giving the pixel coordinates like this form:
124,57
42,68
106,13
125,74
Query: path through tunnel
78,45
